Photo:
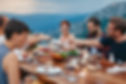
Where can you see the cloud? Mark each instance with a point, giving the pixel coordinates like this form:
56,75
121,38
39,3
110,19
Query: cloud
28,6
52,6
17,6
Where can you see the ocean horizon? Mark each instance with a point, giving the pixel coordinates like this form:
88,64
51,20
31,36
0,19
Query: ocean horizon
49,23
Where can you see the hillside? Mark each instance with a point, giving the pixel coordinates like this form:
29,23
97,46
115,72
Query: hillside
113,10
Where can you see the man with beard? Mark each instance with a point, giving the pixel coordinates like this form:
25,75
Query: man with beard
114,39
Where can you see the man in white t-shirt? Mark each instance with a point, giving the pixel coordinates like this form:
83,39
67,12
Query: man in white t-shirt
2,39
3,21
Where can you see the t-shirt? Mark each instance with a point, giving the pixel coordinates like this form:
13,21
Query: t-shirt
2,39
117,49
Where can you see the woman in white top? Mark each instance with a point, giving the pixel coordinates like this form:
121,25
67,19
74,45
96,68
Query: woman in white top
66,39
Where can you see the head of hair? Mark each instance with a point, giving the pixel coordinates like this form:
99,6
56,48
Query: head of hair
95,21
15,26
1,20
119,24
66,23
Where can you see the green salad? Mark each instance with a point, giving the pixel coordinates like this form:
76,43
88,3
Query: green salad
69,53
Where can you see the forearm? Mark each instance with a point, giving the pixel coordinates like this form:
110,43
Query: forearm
88,42
33,39
28,68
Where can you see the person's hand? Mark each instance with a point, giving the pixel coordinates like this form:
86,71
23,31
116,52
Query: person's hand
28,80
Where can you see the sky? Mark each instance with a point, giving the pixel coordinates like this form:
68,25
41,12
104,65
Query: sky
53,6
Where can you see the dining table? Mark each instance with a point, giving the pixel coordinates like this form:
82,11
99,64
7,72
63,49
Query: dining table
92,72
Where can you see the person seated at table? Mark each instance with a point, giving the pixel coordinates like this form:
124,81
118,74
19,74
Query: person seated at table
94,32
114,39
16,34
94,28
66,39
3,22
32,39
